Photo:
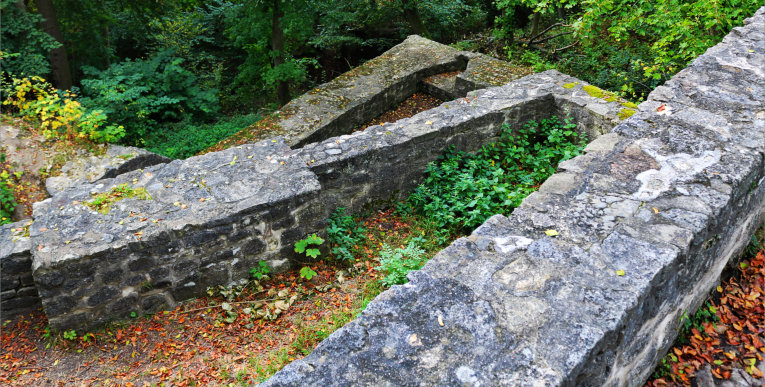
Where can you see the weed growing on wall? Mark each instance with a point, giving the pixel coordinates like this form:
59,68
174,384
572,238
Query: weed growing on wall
462,190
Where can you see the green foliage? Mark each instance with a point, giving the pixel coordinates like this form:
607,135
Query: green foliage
625,46
397,263
674,32
25,46
345,235
307,273
462,190
249,27
7,200
309,246
186,138
142,95
70,335
59,113
261,270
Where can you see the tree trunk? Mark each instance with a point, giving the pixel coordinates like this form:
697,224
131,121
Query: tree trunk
534,25
62,78
561,13
413,17
277,45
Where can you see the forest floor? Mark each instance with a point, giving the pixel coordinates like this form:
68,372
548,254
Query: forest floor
219,339
418,102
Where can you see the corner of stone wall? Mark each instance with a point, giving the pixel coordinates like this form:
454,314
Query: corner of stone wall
18,293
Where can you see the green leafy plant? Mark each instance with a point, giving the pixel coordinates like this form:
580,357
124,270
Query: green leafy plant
309,246
397,263
260,271
70,335
7,200
25,45
706,313
461,190
345,235
307,273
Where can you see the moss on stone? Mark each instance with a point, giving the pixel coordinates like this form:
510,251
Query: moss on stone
570,85
594,91
626,113
629,105
103,202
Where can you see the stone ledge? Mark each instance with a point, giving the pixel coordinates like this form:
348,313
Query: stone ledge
117,160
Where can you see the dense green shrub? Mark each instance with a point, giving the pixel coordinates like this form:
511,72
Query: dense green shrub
462,190
627,46
345,235
25,46
186,139
141,95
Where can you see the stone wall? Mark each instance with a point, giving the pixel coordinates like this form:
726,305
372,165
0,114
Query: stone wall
335,108
213,217
647,220
18,293
668,197
385,162
209,220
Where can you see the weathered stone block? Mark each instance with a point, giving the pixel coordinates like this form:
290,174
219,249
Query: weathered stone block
103,295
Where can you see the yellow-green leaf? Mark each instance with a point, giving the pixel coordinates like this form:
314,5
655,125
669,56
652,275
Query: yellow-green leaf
551,233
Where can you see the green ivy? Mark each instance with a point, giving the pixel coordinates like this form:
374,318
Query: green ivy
462,190
7,203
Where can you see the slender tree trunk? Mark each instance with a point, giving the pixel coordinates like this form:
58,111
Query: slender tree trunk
534,24
62,78
413,17
561,13
277,45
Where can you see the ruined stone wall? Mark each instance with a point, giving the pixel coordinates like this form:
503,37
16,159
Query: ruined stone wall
18,293
647,219
211,218
385,162
668,197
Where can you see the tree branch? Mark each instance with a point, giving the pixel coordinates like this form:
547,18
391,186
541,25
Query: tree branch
550,37
547,29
